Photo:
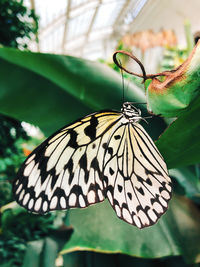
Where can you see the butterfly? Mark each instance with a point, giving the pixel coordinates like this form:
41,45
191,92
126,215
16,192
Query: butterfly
107,154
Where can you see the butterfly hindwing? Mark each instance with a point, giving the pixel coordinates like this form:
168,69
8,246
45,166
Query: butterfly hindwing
65,171
138,186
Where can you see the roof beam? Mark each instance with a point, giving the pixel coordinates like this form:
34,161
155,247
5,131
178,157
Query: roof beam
118,20
66,26
90,26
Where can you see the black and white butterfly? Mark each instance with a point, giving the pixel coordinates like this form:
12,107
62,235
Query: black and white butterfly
107,154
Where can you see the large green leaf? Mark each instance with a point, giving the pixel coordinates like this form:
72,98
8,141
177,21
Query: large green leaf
188,180
180,143
53,90
176,233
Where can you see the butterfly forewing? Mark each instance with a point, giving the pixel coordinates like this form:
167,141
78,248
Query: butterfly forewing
103,155
65,171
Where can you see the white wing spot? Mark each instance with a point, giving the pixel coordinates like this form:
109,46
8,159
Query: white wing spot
17,182
26,198
143,217
91,197
19,189
158,207
127,216
137,221
63,203
29,159
101,197
82,201
152,215
30,204
54,202
72,199
118,210
33,177
21,194
38,204
110,197
29,168
45,206
56,153
162,201
57,136
168,187
165,194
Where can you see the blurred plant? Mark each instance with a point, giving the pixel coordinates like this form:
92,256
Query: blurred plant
12,135
18,24
174,56
18,227
12,251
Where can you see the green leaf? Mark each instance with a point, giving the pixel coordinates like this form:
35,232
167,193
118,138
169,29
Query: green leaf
188,180
97,228
52,90
180,143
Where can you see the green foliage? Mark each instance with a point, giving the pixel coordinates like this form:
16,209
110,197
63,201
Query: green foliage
11,154
56,85
18,24
183,148
14,222
174,236
63,89
172,58
20,230
11,251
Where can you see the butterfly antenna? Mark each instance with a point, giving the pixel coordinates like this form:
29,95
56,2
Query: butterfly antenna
121,70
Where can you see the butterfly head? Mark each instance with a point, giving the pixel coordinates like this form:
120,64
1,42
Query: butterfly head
130,112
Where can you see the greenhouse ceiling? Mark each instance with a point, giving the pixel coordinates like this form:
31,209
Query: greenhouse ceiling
92,28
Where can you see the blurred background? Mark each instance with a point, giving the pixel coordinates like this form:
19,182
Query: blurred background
94,29
161,33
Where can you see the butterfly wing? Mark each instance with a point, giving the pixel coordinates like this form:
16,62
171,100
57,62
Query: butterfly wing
135,176
102,155
65,171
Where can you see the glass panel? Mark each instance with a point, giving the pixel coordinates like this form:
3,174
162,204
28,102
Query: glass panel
48,10
80,24
107,14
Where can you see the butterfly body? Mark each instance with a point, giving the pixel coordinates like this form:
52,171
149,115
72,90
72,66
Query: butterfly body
107,154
